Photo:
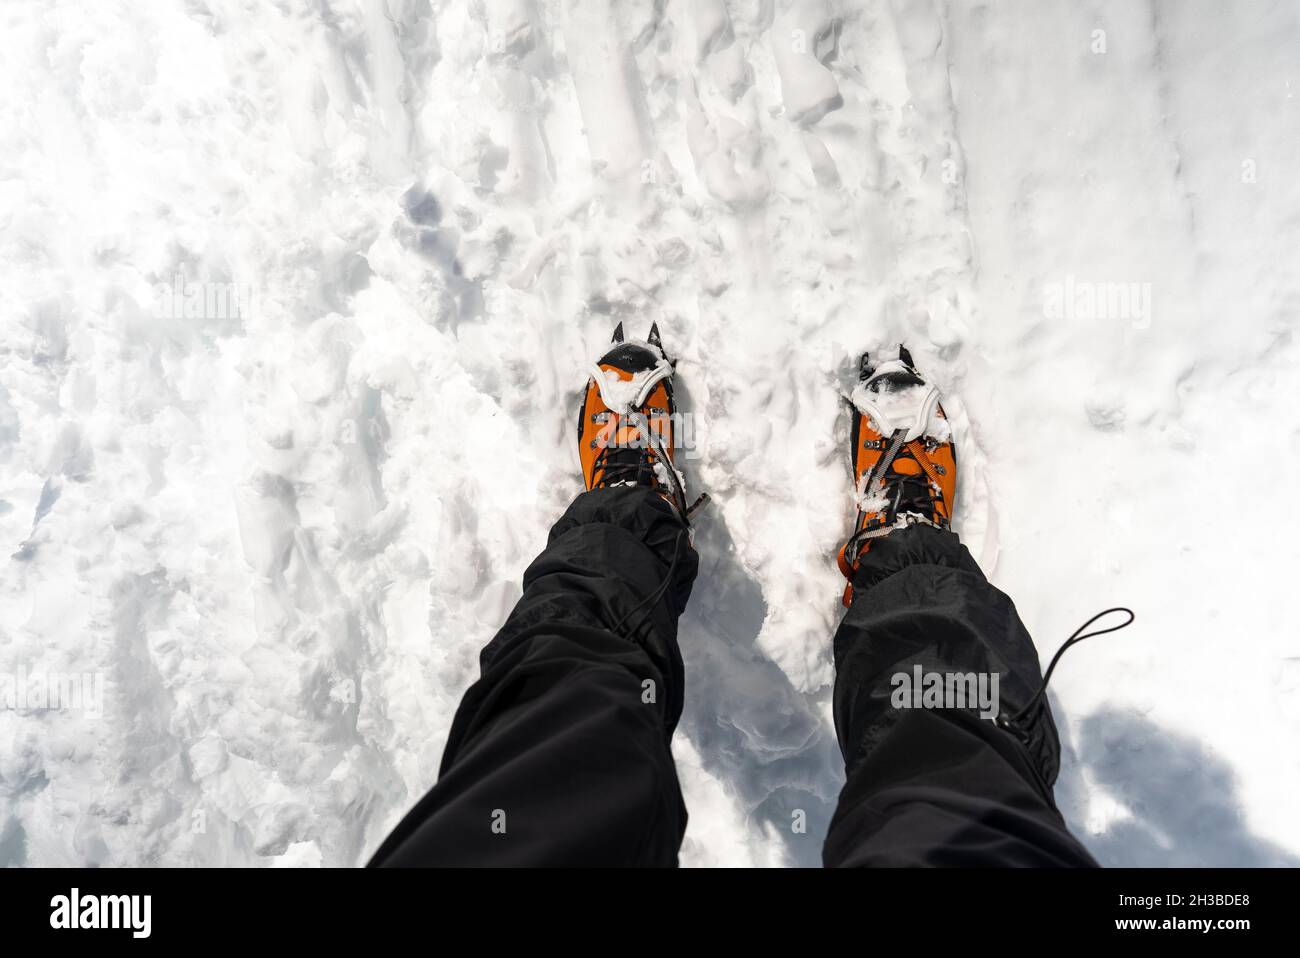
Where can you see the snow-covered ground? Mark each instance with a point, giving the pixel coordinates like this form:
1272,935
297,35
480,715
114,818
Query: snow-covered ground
277,531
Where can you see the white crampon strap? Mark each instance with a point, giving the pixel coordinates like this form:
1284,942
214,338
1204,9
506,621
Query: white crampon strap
622,396
912,408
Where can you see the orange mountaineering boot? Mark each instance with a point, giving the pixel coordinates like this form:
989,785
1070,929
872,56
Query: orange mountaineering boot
903,456
626,424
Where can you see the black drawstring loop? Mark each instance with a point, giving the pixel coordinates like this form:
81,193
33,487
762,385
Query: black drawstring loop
653,598
1014,722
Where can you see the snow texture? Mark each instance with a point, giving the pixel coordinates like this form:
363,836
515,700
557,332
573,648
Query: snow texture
298,302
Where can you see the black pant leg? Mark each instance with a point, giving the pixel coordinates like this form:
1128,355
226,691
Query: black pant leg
940,787
559,754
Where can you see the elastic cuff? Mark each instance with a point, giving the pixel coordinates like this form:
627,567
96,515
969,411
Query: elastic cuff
913,545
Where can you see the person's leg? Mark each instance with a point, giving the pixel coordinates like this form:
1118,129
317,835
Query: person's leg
939,787
935,784
559,754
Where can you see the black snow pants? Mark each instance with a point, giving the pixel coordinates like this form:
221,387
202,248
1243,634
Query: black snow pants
560,753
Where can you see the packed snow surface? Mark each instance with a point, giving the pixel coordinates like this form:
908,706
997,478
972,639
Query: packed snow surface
299,299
